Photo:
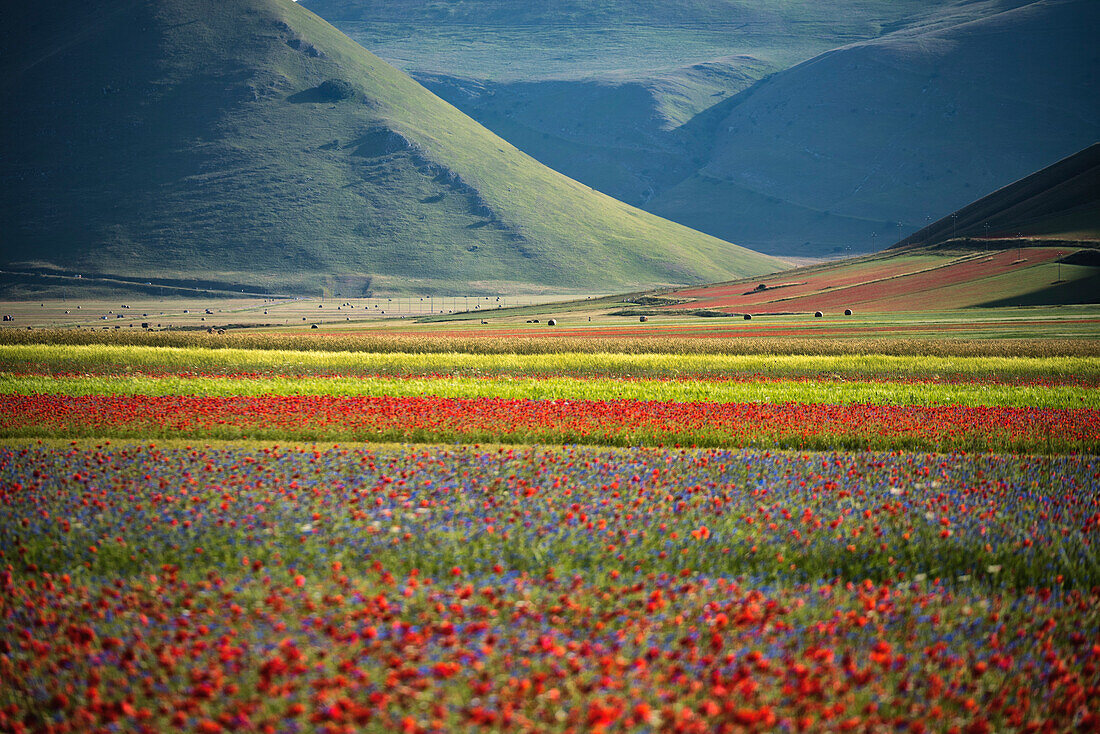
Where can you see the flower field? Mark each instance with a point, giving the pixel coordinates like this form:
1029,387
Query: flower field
574,542
610,422
450,588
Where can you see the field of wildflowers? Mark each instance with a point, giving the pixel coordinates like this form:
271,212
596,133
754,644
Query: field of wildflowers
909,550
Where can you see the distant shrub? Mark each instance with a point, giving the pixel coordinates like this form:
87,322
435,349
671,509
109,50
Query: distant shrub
335,90
305,47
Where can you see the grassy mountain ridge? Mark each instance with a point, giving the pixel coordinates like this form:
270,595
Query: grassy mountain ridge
251,141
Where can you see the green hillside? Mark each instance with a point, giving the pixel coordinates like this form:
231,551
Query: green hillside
249,142
614,93
794,128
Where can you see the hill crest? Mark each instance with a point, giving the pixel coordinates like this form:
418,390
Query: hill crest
249,141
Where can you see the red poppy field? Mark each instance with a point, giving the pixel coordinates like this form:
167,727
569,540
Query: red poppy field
608,422
907,283
178,561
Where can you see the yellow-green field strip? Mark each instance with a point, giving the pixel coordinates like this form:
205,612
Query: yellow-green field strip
942,345
570,388
112,359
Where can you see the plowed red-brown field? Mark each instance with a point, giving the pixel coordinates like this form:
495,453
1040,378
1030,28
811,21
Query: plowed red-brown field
903,283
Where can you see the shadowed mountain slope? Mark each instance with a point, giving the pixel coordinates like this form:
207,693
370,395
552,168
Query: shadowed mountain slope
1059,203
250,142
623,95
898,131
795,128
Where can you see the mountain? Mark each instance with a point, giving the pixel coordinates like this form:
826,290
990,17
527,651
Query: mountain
504,41
804,129
1059,204
1033,242
250,144
623,95
886,135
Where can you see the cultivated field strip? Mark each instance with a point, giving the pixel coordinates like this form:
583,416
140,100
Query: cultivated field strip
1026,430
435,344
570,388
122,359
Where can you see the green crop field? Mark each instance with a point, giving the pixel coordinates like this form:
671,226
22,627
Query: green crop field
840,392
118,359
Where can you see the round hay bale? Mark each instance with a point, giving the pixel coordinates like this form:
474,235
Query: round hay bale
847,312
748,317
552,322
643,319
818,314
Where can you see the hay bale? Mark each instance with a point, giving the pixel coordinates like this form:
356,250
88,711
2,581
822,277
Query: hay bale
847,312
748,317
552,322
643,319
818,314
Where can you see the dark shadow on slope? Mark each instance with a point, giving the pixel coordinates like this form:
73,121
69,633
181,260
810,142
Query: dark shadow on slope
1084,290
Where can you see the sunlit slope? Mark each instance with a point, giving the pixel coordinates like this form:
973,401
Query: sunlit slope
250,142
908,281
837,152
